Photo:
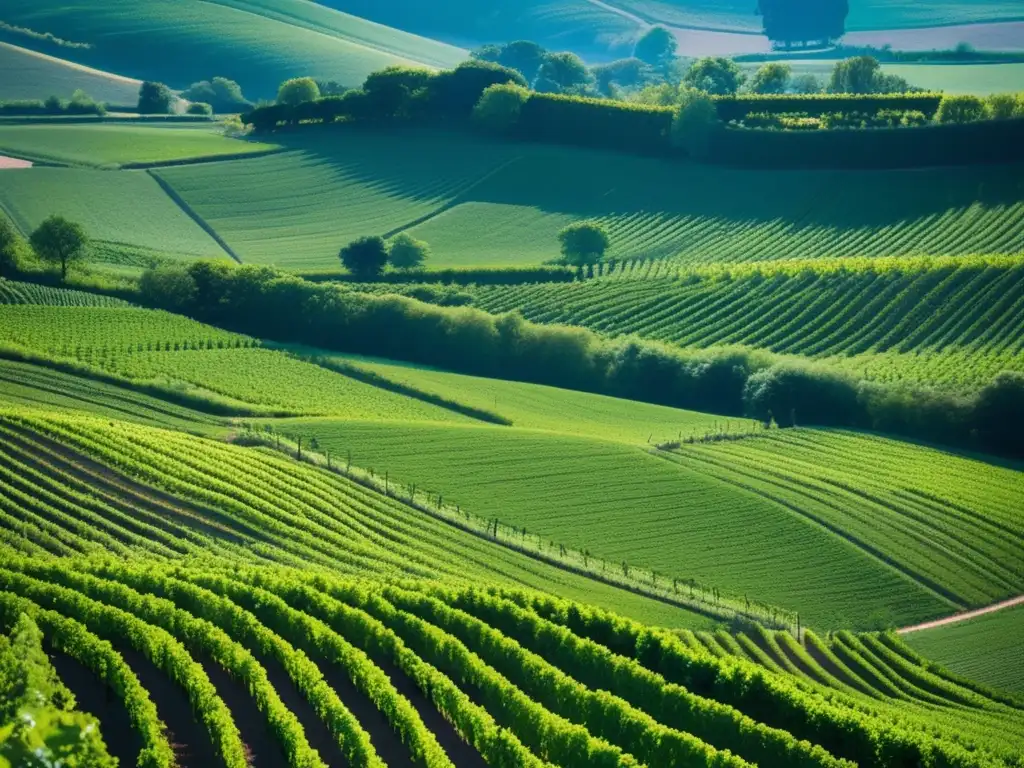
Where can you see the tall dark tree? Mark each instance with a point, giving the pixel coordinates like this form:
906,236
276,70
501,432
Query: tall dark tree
365,257
657,47
60,242
155,99
800,23
523,56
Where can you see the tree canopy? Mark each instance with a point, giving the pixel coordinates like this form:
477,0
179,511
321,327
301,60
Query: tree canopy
9,248
365,257
298,90
499,108
406,252
155,99
657,47
863,74
772,77
803,22
60,242
584,242
220,93
715,75
565,71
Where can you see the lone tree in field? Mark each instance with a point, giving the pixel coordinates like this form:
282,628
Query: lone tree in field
365,257
59,241
298,90
8,248
155,99
407,252
583,243
801,23
657,48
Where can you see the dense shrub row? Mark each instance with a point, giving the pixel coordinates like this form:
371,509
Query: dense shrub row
165,652
80,104
772,699
596,123
98,656
267,304
815,105
659,708
455,276
990,141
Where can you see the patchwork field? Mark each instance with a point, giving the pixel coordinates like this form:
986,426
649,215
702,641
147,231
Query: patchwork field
25,74
124,211
486,209
258,43
953,646
109,144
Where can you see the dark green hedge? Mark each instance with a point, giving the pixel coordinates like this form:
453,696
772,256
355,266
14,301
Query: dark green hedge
992,141
816,105
596,123
455,276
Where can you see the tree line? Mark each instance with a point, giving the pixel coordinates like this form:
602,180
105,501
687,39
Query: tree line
268,304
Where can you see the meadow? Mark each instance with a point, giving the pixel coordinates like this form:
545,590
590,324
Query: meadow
25,74
109,145
977,79
1001,666
119,211
258,43
486,209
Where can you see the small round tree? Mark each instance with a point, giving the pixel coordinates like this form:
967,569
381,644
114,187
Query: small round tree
583,243
960,109
407,252
60,242
772,77
155,99
715,75
499,108
298,90
657,47
365,257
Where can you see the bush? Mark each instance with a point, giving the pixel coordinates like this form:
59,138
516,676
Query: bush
298,90
961,109
453,94
999,414
583,243
499,108
168,287
221,94
715,75
406,252
1004,106
694,125
155,99
10,248
198,108
816,105
788,393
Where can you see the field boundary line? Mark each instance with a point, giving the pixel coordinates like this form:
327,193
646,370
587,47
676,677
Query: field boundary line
1013,602
459,199
204,160
172,193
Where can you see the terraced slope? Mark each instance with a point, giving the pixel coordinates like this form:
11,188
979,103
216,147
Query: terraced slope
1001,666
484,206
304,667
25,74
258,43
954,322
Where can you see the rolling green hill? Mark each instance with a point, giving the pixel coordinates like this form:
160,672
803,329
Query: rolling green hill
25,74
485,207
258,43
998,633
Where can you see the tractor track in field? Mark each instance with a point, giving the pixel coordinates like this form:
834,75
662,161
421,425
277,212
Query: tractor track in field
178,200
965,616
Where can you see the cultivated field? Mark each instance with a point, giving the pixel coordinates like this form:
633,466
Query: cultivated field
25,74
485,208
127,214
979,79
1001,666
258,43
111,145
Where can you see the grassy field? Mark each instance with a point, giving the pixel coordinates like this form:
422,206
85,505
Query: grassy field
957,646
123,211
980,79
954,323
25,74
625,505
106,145
485,207
533,406
258,43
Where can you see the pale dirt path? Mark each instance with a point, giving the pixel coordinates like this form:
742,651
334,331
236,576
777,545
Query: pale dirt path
963,616
643,24
13,163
